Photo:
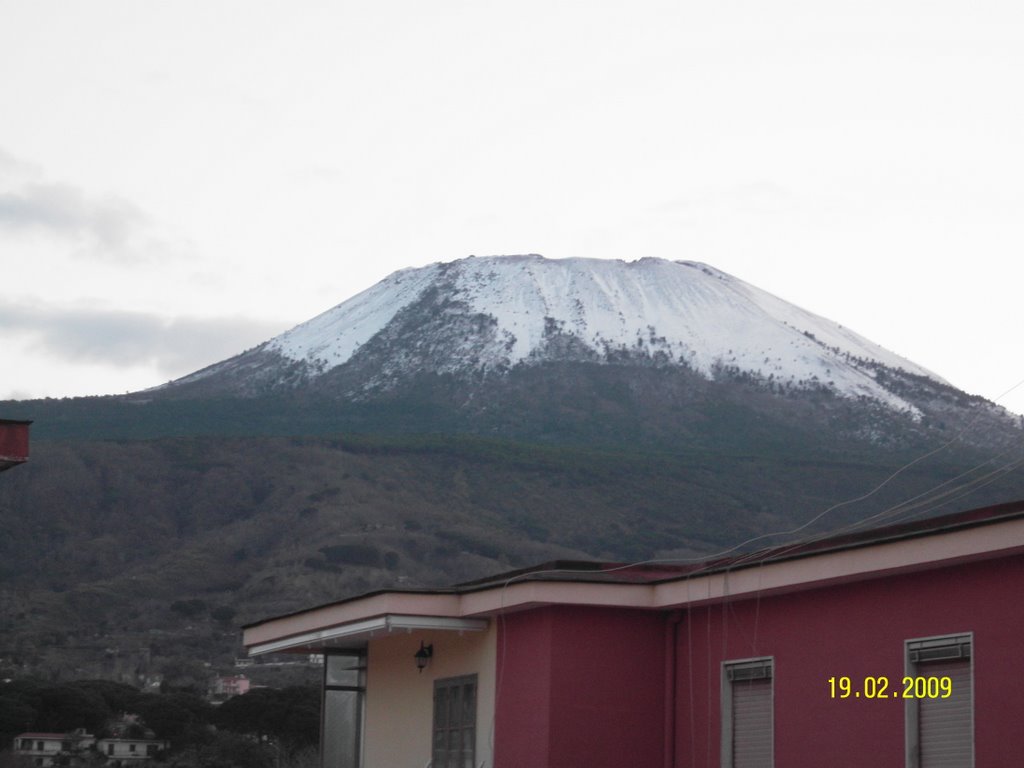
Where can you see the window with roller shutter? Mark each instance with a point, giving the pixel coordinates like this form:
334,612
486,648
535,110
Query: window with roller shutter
747,718
940,731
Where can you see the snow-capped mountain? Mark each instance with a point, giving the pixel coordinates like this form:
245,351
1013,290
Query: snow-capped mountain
482,317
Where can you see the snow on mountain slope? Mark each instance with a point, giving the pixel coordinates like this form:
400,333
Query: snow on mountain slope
676,313
331,338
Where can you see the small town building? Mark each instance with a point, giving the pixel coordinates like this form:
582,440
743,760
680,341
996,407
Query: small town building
128,751
13,443
897,646
44,749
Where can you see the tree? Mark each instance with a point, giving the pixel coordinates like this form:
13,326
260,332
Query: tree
16,716
290,715
226,750
255,713
224,614
11,760
120,697
67,707
181,718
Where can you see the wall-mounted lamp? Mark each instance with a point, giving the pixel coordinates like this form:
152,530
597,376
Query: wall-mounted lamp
423,655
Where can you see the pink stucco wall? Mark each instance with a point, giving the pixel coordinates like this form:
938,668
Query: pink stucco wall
583,688
856,630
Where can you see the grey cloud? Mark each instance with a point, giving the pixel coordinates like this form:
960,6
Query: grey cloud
105,228
109,225
176,346
13,166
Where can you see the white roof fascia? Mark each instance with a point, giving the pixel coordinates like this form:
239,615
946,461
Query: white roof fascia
387,623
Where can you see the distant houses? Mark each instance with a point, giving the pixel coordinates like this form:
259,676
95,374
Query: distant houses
897,646
125,741
80,748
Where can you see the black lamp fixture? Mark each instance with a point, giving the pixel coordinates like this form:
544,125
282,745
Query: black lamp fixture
423,655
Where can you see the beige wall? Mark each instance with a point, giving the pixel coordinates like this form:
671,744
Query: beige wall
400,700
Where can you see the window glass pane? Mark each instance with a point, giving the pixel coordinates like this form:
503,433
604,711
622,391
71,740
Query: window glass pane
343,669
454,723
455,707
468,745
468,704
341,729
440,708
440,746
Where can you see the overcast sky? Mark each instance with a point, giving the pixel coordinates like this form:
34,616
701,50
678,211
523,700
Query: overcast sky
180,181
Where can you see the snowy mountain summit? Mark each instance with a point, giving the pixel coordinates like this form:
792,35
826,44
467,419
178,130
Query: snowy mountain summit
479,318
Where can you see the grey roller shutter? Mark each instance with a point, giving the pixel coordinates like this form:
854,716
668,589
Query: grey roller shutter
752,723
946,726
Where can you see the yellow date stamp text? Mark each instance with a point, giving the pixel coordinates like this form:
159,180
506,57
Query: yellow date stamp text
910,687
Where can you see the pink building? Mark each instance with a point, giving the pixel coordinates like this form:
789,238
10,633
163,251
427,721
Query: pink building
224,687
899,646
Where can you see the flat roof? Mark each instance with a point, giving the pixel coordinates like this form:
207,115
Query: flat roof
659,571
972,535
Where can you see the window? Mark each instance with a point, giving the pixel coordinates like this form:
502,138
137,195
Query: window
454,742
940,731
747,735
341,732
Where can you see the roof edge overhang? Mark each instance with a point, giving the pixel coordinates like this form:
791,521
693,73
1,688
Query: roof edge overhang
360,631
834,567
